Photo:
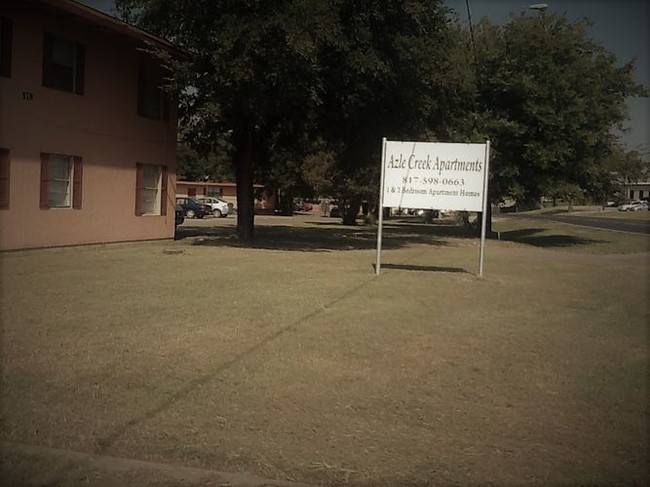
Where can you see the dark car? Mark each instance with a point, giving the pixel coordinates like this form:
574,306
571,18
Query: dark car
191,208
180,215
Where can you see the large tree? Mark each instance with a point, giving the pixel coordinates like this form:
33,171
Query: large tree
251,74
549,99
285,79
388,72
293,77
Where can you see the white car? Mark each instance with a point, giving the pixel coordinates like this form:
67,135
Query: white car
219,207
634,206
638,206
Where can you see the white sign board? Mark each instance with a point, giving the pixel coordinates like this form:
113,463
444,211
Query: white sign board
433,175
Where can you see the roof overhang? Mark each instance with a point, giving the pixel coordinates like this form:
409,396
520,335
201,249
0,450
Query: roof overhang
99,19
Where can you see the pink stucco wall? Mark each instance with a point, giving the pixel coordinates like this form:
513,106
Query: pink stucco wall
102,126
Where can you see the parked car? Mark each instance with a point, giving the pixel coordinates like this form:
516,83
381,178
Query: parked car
180,215
301,205
191,208
218,207
634,206
638,206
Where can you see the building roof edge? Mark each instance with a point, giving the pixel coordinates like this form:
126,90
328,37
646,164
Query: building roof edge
95,16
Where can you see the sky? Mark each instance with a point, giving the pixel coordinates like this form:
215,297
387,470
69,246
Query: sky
621,26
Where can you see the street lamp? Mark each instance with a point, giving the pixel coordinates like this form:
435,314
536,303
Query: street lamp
540,7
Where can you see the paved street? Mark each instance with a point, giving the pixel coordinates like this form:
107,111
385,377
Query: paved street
618,224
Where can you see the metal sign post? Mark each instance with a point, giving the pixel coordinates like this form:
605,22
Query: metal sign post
434,176
486,202
381,206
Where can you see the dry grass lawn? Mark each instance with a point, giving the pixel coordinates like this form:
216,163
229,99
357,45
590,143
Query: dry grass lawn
291,360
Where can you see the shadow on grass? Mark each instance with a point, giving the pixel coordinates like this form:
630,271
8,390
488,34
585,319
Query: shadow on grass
331,235
530,236
423,268
323,236
103,444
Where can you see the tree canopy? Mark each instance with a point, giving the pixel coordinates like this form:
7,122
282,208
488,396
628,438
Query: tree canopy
291,78
302,91
548,98
389,72
252,71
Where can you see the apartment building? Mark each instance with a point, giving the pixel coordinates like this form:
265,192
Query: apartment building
87,132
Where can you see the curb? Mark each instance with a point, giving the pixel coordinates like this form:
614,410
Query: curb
186,476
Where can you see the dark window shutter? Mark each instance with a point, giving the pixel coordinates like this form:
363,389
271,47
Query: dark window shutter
6,30
163,191
80,66
138,189
142,88
47,58
166,96
77,175
4,178
45,163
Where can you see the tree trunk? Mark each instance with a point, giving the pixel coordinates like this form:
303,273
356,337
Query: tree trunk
244,179
464,216
488,222
351,211
286,203
429,215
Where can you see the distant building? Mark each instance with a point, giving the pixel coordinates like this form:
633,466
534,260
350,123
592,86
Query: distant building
638,190
87,136
226,191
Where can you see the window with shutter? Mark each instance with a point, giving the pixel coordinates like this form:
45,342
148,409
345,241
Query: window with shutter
153,100
61,181
63,64
151,190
